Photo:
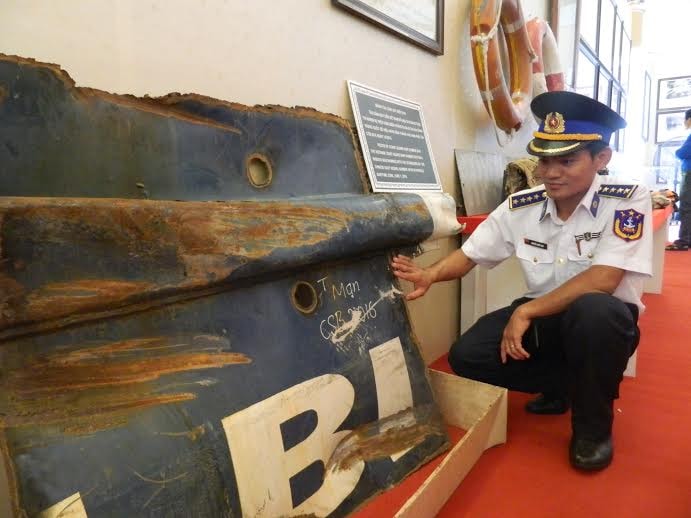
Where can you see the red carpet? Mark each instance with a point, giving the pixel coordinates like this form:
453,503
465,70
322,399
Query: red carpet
530,475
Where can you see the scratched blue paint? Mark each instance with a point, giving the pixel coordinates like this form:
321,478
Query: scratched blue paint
57,142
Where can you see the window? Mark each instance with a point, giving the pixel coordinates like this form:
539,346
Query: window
585,74
602,63
606,39
625,56
588,15
618,31
603,88
616,101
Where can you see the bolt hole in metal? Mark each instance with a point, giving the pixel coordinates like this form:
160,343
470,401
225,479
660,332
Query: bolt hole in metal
304,297
259,171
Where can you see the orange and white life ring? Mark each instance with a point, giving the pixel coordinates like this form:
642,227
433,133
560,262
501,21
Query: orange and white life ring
547,72
507,104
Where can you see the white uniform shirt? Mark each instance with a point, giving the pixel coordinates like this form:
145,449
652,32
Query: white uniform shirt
611,226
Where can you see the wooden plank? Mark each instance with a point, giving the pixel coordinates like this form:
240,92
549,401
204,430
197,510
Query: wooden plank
462,401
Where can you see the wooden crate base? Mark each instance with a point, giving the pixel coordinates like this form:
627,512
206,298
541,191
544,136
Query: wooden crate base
476,407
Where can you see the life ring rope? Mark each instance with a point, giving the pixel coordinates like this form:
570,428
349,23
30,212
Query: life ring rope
506,99
547,71
486,93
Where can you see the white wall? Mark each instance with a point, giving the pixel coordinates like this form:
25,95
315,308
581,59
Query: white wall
288,52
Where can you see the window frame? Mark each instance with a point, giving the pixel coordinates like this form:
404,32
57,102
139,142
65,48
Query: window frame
604,69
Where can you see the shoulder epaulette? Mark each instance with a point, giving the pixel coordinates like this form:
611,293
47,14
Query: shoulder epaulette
526,199
617,190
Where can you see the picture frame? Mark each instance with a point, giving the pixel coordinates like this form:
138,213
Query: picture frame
674,93
669,126
645,122
420,22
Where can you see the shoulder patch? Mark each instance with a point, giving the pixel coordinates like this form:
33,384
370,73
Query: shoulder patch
617,190
520,200
628,224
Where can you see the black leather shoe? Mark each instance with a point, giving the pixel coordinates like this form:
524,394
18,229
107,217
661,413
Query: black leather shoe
590,455
547,405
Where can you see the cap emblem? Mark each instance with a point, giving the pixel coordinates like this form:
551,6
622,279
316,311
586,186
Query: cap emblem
554,123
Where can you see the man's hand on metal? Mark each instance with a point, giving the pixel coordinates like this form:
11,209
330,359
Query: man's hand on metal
404,268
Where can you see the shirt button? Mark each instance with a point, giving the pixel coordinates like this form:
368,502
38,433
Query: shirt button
560,260
535,259
590,255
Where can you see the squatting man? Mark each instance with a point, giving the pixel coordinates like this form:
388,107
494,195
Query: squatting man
585,248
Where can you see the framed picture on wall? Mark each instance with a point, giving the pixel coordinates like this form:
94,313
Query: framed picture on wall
670,125
418,21
645,123
674,93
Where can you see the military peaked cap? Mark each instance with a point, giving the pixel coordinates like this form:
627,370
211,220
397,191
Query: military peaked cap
569,121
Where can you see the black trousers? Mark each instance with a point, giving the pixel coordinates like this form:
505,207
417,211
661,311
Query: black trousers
580,353
685,211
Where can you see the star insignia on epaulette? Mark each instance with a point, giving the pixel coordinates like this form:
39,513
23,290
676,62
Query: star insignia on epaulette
617,191
518,201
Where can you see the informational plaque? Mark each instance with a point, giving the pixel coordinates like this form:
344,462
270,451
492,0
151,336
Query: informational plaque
394,141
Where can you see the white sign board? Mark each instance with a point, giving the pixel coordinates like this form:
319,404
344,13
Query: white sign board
394,141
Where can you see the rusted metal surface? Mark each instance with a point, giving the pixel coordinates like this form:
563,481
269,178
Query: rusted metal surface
164,353
96,387
384,437
64,258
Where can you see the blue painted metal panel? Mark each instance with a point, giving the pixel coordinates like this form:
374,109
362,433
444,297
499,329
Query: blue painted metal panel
58,140
73,437
163,358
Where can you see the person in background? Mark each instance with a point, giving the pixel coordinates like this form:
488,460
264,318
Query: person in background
684,154
585,248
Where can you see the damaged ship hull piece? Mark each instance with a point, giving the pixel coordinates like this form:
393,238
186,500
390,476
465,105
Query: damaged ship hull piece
197,313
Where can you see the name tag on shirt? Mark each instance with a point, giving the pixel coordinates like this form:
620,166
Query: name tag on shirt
534,243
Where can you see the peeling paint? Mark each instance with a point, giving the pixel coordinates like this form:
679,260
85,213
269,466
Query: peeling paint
386,437
193,434
112,380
